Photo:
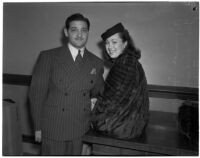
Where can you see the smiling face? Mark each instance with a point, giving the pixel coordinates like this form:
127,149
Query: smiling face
77,33
114,45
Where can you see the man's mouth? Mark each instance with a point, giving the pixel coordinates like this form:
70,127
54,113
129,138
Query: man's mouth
79,39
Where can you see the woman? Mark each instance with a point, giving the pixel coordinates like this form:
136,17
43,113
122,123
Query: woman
123,109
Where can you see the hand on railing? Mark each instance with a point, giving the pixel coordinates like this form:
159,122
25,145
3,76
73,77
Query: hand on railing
86,150
93,102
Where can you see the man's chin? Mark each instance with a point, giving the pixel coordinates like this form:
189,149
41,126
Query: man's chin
79,45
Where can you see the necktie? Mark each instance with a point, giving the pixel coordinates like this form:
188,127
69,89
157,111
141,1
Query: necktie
78,60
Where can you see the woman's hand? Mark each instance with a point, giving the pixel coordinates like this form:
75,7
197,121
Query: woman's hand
86,150
93,102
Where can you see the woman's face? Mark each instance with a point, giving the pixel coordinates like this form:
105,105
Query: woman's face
115,45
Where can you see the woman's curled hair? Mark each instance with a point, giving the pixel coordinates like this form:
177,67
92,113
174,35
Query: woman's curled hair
130,44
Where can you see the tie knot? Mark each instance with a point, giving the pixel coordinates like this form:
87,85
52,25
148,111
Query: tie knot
79,54
79,51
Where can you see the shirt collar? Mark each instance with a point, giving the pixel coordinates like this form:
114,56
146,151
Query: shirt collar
74,50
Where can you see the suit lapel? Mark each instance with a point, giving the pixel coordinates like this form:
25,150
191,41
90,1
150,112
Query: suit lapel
86,62
64,57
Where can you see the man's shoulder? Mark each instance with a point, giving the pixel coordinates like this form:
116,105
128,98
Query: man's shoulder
51,51
95,58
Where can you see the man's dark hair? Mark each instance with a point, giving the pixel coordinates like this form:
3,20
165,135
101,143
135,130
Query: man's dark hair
76,17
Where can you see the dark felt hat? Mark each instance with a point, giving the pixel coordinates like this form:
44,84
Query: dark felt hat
113,30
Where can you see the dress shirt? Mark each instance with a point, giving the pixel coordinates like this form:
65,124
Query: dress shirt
74,51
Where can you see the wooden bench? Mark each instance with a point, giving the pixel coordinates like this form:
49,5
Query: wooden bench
156,140
161,137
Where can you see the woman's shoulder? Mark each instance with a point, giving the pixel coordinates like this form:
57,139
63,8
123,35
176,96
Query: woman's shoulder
128,58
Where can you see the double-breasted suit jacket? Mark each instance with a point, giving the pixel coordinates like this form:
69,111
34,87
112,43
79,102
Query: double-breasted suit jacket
60,93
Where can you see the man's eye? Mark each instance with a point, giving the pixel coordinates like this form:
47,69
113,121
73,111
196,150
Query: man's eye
73,30
85,30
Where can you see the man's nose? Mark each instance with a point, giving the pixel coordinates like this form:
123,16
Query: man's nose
79,34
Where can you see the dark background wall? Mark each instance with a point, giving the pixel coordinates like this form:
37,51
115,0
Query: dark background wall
166,32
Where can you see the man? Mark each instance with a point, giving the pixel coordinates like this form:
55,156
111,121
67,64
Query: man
64,80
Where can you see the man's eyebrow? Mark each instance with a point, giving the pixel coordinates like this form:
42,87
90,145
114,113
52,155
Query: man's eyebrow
73,27
77,27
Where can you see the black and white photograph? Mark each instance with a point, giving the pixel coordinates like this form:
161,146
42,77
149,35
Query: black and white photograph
100,78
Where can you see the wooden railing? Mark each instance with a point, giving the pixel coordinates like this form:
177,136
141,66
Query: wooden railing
155,91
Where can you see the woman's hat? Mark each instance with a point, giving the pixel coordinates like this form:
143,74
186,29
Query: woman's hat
113,30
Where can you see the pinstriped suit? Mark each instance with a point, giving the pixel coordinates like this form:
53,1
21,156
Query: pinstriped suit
60,93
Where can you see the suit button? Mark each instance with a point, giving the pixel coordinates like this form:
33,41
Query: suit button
63,109
66,94
91,81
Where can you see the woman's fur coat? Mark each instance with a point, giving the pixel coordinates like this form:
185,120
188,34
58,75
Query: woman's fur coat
123,109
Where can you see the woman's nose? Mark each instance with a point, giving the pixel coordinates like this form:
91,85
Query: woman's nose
110,46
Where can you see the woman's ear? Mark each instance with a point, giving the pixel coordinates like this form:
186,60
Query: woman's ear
125,44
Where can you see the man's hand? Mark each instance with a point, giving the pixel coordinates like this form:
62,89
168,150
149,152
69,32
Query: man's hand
93,102
38,136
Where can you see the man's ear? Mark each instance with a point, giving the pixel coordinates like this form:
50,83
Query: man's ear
65,32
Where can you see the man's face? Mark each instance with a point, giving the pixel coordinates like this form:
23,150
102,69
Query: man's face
77,33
